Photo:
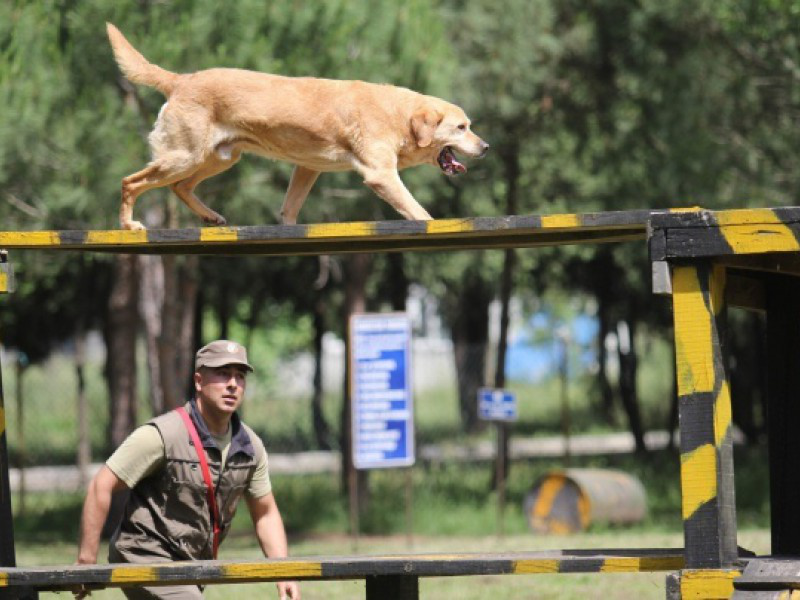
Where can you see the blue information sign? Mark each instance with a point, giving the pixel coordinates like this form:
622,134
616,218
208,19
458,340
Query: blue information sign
383,416
496,405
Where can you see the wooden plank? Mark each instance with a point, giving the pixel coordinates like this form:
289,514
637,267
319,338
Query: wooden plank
704,234
330,238
783,411
356,567
703,584
707,486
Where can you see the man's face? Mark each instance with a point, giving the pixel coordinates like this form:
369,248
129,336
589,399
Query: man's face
221,389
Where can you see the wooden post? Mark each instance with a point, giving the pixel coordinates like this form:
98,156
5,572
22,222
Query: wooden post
708,503
393,587
783,411
7,552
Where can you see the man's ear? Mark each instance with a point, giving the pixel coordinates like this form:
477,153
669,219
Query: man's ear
423,126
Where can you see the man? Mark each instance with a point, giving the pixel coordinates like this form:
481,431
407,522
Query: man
170,514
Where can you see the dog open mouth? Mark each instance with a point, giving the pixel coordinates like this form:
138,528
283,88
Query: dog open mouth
448,162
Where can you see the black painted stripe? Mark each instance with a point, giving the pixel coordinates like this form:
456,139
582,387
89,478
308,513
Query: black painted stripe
696,413
701,531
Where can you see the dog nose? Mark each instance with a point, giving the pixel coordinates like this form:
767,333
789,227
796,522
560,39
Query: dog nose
484,149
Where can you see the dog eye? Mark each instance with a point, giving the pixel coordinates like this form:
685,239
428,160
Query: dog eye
463,126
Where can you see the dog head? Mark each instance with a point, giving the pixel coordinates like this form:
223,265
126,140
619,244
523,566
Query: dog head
444,128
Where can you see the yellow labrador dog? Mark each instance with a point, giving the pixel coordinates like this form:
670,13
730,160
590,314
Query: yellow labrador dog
319,125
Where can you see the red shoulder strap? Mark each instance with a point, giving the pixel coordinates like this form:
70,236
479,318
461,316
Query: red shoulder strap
201,455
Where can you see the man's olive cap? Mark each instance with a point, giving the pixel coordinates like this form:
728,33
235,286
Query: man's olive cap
221,353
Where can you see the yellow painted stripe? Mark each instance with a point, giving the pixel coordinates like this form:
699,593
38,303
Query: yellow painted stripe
528,567
722,413
2,420
133,575
686,209
755,231
3,579
547,495
642,564
289,570
218,234
560,221
707,585
747,216
693,343
116,237
698,478
327,230
449,226
3,281
29,238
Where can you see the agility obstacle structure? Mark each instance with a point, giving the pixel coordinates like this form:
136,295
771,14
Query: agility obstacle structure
705,260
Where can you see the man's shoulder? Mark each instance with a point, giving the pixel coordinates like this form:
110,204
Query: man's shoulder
255,439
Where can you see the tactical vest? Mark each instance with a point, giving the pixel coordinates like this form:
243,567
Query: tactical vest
167,514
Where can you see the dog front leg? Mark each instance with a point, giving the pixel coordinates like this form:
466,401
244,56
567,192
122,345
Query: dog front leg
299,186
387,184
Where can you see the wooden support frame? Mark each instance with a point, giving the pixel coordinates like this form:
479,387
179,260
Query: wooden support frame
708,502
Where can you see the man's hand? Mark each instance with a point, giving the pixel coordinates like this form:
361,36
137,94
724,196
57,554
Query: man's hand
288,589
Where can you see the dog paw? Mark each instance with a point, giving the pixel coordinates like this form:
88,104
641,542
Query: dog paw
216,220
133,226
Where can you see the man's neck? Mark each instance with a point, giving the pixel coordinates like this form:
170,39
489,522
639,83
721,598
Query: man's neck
217,424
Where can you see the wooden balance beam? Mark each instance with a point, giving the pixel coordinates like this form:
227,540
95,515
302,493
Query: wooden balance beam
387,577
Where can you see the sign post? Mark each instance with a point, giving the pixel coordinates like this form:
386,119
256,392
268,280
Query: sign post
499,406
381,391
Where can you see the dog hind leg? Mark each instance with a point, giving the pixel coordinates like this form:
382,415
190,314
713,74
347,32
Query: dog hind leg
159,173
184,189
299,186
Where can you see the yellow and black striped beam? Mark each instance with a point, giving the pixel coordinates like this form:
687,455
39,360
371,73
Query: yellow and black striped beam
708,506
359,567
6,276
332,238
704,233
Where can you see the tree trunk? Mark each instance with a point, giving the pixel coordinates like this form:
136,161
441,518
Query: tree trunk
470,333
177,326
322,433
356,270
606,391
121,328
84,453
168,299
151,300
628,365
511,163
22,451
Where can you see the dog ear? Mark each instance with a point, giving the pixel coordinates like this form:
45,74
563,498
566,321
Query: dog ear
424,124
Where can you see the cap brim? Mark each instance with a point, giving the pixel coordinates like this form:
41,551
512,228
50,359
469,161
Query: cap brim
224,363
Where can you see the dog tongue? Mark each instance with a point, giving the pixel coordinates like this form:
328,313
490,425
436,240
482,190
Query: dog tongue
449,164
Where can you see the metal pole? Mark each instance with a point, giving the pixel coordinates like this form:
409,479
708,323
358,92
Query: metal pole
409,506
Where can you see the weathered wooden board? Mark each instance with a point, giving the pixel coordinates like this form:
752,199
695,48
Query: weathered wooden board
707,485
357,567
332,238
704,233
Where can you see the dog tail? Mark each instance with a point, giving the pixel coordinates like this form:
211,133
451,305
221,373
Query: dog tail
136,67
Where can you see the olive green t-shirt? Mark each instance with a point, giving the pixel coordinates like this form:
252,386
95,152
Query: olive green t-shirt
142,454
